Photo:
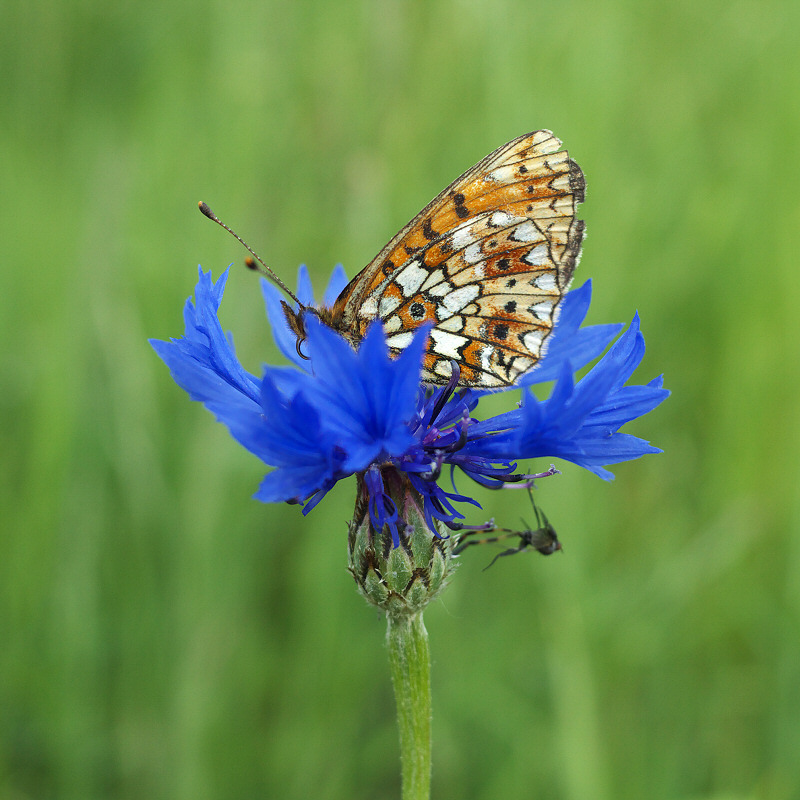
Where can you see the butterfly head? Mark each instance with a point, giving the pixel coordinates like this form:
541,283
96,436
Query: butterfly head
296,320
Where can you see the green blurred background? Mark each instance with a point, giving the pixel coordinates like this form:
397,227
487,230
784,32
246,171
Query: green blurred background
165,636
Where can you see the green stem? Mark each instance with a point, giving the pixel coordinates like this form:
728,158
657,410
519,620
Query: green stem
410,660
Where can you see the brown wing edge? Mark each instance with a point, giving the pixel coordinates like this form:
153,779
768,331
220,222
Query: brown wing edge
577,182
577,229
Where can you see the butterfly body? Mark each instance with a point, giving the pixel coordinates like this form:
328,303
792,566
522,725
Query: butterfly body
487,262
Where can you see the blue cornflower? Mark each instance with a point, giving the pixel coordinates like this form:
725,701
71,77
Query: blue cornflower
342,411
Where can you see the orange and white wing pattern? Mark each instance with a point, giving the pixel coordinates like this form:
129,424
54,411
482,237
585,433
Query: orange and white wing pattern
488,261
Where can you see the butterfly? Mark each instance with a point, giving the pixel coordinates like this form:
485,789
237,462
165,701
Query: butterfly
487,262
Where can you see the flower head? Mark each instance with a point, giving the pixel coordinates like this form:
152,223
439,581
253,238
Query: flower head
344,411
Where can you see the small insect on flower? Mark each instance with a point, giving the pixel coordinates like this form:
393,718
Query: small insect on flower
542,538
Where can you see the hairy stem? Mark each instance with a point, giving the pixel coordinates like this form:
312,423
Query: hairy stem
410,660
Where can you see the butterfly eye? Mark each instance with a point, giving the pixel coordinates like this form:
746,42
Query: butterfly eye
299,342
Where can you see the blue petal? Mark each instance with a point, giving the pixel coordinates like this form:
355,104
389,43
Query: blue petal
368,399
305,289
288,483
579,422
285,338
203,383
582,348
203,360
569,341
335,285
628,403
612,450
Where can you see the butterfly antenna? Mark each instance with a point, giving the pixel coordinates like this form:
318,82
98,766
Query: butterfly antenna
263,269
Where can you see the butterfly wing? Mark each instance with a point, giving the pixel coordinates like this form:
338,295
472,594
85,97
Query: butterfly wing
488,261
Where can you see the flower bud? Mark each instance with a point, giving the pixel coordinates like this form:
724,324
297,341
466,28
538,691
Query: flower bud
399,578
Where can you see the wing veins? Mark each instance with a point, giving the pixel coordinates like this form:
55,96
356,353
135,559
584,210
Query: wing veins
492,343
495,157
486,214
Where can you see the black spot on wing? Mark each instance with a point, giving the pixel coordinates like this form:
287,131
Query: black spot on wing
461,210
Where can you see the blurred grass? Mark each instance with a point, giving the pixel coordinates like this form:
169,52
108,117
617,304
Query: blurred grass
166,637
